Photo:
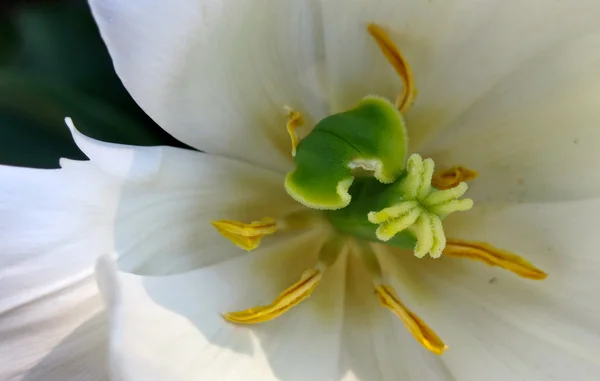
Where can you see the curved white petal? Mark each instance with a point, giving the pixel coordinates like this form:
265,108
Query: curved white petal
491,319
157,203
377,347
514,96
535,135
122,161
487,71
459,50
217,74
170,327
52,326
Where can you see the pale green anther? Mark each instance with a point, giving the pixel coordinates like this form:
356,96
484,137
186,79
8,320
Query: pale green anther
419,208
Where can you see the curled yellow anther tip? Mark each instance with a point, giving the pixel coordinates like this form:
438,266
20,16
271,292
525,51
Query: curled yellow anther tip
405,100
294,120
417,327
246,236
451,177
289,298
493,256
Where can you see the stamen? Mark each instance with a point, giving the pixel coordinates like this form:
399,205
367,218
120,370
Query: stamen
388,298
490,255
294,121
299,219
297,292
289,298
449,178
397,60
420,331
246,236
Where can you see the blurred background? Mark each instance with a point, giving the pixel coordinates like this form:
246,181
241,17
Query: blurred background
54,64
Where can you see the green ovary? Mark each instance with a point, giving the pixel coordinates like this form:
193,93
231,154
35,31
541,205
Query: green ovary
397,205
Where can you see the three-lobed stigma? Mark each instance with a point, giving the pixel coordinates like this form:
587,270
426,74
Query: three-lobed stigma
419,207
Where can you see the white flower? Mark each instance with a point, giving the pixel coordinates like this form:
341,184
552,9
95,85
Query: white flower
509,88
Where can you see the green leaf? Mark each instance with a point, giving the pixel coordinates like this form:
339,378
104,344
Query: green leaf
39,105
24,143
8,41
53,64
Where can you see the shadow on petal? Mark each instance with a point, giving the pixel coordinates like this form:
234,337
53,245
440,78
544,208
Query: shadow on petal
302,344
81,356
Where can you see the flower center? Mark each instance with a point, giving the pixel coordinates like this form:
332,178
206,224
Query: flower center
353,167
403,212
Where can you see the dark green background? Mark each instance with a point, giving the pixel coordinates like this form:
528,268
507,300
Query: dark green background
53,64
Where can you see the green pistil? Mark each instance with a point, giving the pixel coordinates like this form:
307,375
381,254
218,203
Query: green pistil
396,204
407,213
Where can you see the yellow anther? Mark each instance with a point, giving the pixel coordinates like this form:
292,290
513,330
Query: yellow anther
289,298
294,120
246,236
493,256
397,60
420,331
449,178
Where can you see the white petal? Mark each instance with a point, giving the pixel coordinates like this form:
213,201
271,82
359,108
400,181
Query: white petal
377,346
122,161
217,74
170,328
52,326
535,136
500,74
158,202
520,329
